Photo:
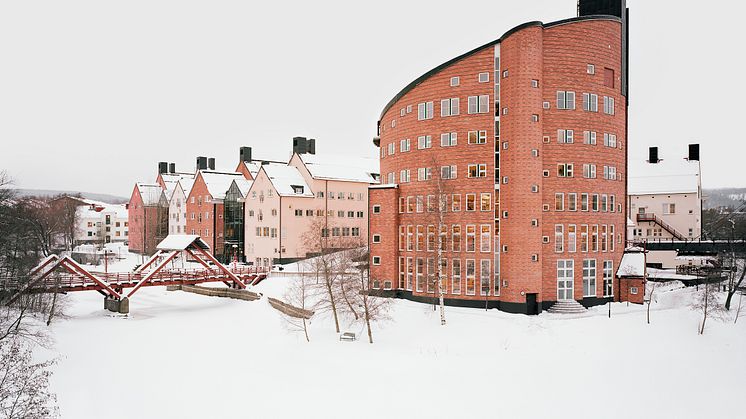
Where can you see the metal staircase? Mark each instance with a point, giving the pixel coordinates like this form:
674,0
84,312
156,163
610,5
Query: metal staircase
652,218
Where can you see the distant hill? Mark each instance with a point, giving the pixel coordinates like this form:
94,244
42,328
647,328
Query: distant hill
109,199
725,197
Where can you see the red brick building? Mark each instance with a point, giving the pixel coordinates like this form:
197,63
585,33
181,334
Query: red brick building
506,166
147,213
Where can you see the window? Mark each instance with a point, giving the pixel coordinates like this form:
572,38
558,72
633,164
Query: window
471,202
608,77
424,111
402,112
594,238
604,202
477,170
589,171
470,276
483,77
584,238
376,260
420,274
564,170
420,204
424,173
420,245
608,276
485,200
565,136
669,208
455,81
404,176
471,238
608,105
449,107
430,238
377,209
610,172
484,238
559,202
424,141
448,172
478,104
571,238
456,276
565,100
590,69
565,274
477,137
559,238
589,137
484,277
610,140
594,202
535,84
456,238
589,277
456,202
572,201
534,118
404,145
448,139
590,102
392,148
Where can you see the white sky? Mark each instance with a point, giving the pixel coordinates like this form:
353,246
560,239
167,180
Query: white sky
93,94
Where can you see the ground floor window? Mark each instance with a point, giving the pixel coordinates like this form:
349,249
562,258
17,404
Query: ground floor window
484,277
608,278
565,274
470,276
402,272
420,274
410,273
456,276
431,275
589,277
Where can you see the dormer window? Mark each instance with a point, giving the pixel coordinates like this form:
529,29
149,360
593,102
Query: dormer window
297,189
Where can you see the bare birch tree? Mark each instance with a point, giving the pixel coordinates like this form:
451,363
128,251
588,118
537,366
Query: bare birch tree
299,295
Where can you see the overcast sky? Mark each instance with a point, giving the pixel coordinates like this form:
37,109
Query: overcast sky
94,93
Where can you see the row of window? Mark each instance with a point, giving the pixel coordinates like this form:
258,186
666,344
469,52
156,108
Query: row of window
340,232
451,107
566,101
566,278
567,136
429,203
589,171
593,238
460,276
588,202
447,139
330,213
421,238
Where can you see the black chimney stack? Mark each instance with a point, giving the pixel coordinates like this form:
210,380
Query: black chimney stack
245,154
201,163
211,163
172,168
653,155
312,146
301,145
162,167
693,152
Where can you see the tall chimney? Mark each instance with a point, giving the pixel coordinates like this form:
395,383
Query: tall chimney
211,163
162,167
201,163
172,168
312,146
300,145
693,152
653,155
245,154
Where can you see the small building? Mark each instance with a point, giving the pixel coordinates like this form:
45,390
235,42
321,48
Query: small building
100,223
631,276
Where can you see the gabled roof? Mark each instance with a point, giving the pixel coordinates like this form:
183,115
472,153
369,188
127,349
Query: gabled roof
243,186
286,179
186,186
632,264
219,182
670,176
181,242
254,165
341,168
150,193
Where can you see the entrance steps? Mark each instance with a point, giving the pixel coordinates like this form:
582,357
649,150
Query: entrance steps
567,307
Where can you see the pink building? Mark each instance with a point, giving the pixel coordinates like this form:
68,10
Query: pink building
295,209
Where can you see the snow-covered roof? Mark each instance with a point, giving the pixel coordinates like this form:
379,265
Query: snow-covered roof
342,168
181,242
243,185
665,177
632,265
218,183
287,180
669,274
254,165
186,185
175,177
150,193
384,186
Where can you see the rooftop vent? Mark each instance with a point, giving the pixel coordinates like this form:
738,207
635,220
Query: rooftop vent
201,163
245,154
693,152
653,155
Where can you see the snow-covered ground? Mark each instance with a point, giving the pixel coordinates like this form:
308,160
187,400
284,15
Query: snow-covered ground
180,355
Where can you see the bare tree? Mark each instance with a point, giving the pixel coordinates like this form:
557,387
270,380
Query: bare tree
706,300
651,295
735,277
738,310
375,309
24,385
299,295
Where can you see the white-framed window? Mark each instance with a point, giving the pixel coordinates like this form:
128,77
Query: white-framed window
448,172
483,77
404,176
391,178
572,201
535,84
409,108
470,276
565,170
589,137
590,102
589,277
420,274
608,276
402,112
376,238
559,238
404,145
424,111
565,279
559,201
376,209
594,202
448,139
479,104
590,69
484,277
633,290
392,148
477,137
589,171
565,100
610,172
485,238
610,140
565,136
455,81
424,173
424,141
456,276
669,208
449,107
476,170
608,105
571,238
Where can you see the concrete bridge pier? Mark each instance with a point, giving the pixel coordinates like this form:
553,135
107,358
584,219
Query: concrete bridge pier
117,306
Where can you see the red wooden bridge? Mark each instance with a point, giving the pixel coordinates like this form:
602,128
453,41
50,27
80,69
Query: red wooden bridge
55,274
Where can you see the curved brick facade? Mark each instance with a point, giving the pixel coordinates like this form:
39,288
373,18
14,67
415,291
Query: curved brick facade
514,110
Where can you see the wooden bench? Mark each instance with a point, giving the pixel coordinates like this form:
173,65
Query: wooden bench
348,336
